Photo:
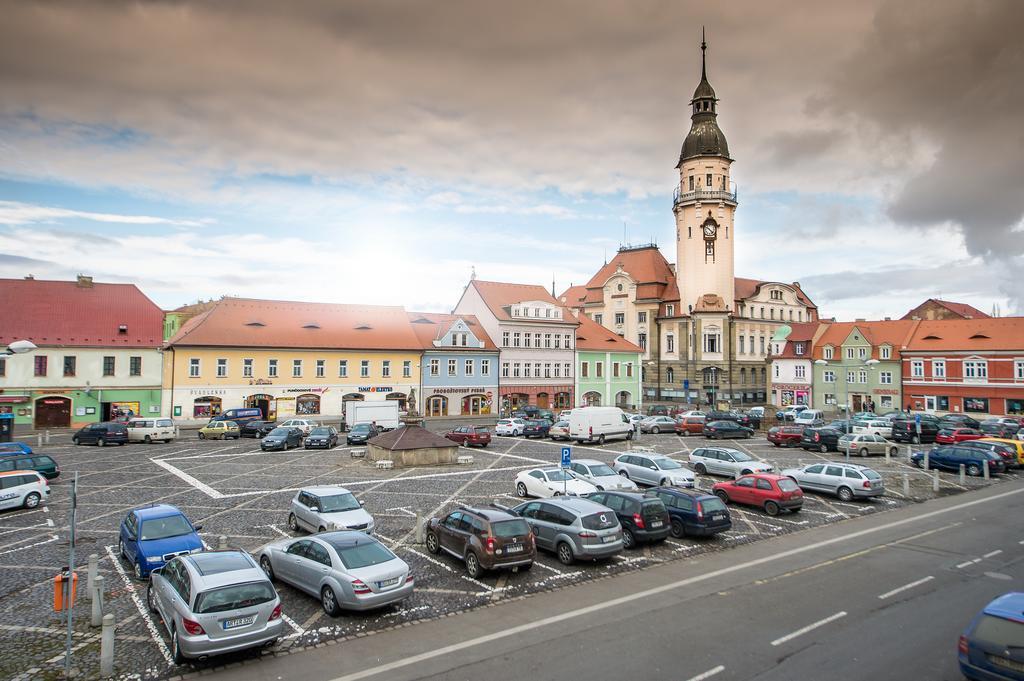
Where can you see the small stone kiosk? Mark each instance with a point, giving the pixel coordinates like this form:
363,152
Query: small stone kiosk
412,445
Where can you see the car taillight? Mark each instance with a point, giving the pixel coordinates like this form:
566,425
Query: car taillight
276,613
409,578
359,587
962,646
700,511
817,437
588,535
591,430
489,545
638,521
867,484
193,628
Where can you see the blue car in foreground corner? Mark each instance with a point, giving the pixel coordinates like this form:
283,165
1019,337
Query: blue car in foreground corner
14,448
152,535
992,646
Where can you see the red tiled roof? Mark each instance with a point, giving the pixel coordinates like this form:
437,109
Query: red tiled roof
499,298
896,333
573,296
431,326
247,322
647,266
962,309
799,333
63,313
989,333
592,336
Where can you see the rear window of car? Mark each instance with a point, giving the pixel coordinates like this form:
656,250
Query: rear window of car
44,461
362,555
480,430
1000,632
871,475
654,506
234,597
712,504
787,485
600,521
510,528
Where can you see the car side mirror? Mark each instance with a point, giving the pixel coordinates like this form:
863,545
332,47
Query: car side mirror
198,528
653,468
314,509
362,503
157,570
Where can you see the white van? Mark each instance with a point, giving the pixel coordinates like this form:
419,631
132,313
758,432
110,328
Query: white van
808,417
589,424
150,430
23,489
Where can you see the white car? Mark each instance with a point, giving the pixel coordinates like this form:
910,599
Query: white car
564,414
697,412
23,489
873,427
635,419
151,430
322,509
726,461
509,427
305,425
600,475
550,482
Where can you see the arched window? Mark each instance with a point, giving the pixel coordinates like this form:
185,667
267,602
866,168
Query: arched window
307,405
670,375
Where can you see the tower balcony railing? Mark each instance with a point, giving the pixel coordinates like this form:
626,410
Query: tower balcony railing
710,195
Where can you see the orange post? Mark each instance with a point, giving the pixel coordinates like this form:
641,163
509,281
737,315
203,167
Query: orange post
60,586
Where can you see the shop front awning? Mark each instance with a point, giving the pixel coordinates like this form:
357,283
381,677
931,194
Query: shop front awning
9,399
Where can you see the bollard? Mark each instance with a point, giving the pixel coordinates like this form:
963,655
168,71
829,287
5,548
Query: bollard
927,467
963,474
985,468
888,458
910,452
39,437
222,543
94,564
906,485
935,482
47,437
419,527
97,601
107,646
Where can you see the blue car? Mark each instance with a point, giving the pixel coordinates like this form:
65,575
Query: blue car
14,448
693,513
152,535
992,646
949,457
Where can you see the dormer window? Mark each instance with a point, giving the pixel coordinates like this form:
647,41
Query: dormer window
558,314
798,348
827,352
123,329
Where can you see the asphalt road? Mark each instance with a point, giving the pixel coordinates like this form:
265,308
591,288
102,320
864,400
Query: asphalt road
878,597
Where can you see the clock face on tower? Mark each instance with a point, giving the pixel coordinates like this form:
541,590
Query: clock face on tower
710,228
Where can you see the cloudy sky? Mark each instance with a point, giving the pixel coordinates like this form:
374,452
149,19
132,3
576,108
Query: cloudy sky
377,152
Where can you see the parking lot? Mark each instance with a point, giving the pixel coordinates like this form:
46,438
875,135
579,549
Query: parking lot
235,490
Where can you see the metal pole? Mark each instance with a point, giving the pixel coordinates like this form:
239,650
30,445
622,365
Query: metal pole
107,646
71,577
97,602
927,467
419,527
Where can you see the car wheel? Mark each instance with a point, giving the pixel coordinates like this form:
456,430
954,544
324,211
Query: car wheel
746,471
120,549
329,601
293,522
137,569
776,444
525,568
473,568
974,469
663,482
100,442
628,538
655,430
678,529
746,436
771,508
844,494
564,553
723,495
74,441
515,433
267,567
915,440
893,451
600,439
202,436
863,451
148,440
175,648
433,545
521,490
624,474
701,469
32,500
629,434
321,529
823,448
150,598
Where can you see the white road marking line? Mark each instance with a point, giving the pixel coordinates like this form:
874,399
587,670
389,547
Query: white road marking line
403,509
143,610
28,546
664,588
976,560
992,553
708,674
299,631
201,486
965,564
809,627
919,582
274,528
450,569
49,522
1021,541
516,456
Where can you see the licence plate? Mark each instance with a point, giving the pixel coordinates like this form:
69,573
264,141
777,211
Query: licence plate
657,523
388,582
238,622
718,516
608,538
1005,663
514,548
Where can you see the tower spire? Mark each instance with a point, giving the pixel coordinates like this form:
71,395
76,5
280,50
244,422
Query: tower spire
703,55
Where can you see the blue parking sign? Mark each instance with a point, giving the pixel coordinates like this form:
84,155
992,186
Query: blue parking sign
566,456
917,419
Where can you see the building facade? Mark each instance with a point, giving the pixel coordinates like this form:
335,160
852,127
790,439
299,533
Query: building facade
289,359
536,336
97,357
460,365
791,377
607,368
966,366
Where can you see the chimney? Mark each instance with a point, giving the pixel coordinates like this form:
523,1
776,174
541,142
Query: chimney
888,319
860,319
84,281
30,277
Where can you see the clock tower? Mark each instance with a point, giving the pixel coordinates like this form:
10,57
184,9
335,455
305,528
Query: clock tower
705,207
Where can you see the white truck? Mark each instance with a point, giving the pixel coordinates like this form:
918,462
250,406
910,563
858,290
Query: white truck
384,413
597,424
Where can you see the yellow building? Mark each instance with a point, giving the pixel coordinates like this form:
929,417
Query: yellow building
289,359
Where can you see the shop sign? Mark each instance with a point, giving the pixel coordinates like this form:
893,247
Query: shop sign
452,391
307,390
261,381
886,391
376,389
205,393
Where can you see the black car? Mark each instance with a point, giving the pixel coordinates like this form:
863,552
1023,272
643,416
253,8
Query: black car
536,428
719,430
281,438
844,426
693,513
1006,451
823,439
643,518
998,429
958,421
19,461
322,437
905,430
753,419
256,429
734,416
102,434
950,457
360,433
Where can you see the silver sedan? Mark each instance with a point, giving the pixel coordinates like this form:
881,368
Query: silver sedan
345,570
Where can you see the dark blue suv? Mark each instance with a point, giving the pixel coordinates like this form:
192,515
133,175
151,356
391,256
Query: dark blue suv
992,646
693,513
949,457
152,535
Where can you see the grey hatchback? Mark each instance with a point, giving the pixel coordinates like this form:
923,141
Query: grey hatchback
215,602
573,528
847,481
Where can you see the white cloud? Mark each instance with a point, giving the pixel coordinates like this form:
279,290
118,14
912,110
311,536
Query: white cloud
16,213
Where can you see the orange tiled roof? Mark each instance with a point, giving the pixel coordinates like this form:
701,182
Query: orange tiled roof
896,333
248,322
499,298
592,336
647,266
962,309
800,333
573,296
989,333
431,326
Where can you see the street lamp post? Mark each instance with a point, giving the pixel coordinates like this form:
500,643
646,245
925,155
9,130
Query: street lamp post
18,348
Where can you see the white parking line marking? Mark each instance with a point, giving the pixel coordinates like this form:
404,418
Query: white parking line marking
897,590
28,546
201,486
809,627
992,553
143,610
965,564
708,674
299,631
450,569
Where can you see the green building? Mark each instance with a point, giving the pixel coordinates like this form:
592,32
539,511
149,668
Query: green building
857,366
607,368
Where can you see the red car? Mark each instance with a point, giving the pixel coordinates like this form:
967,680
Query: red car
950,436
765,490
690,425
786,436
470,435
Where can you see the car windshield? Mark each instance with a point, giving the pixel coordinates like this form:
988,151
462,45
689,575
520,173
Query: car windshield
667,464
339,502
787,485
361,428
362,555
598,470
234,597
320,432
510,528
557,476
1001,632
740,456
162,528
280,432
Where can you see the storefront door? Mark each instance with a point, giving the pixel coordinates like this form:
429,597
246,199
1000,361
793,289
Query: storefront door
929,404
437,406
542,400
856,399
265,403
53,412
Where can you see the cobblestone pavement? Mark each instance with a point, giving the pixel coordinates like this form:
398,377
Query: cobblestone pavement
234,489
